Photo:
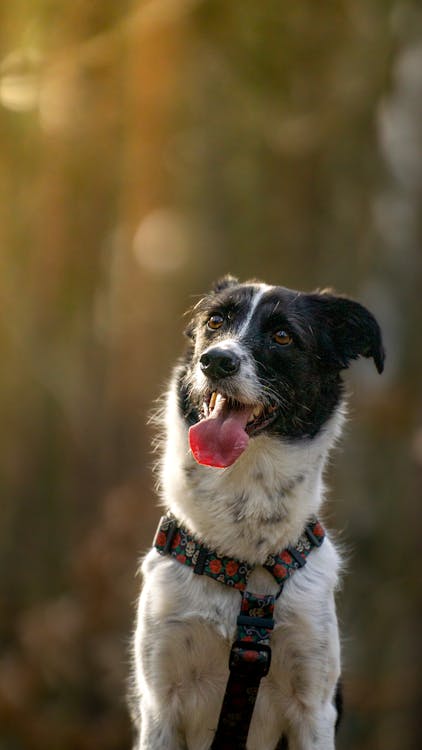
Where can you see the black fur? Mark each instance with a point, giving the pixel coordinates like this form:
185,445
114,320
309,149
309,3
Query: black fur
339,703
327,332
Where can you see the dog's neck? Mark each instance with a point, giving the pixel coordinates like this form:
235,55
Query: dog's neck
257,506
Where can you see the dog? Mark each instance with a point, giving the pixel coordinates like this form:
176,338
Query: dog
252,411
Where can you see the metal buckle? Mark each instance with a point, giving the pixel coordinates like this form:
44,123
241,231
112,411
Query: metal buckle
243,660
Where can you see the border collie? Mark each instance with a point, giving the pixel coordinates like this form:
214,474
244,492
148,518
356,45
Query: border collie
251,413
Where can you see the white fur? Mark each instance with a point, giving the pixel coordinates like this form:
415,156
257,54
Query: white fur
247,385
187,623
260,290
247,389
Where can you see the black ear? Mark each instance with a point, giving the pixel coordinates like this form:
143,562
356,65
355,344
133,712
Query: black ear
346,331
224,283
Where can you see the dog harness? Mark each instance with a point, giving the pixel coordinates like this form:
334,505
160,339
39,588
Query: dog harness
250,655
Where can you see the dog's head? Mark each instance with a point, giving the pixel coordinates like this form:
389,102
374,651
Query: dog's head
266,359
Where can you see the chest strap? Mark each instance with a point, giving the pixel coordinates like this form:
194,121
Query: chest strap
250,659
250,654
173,539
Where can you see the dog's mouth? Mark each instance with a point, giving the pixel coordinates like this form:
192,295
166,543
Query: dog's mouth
223,431
258,415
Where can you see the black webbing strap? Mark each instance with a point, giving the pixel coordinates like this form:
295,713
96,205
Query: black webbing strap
250,659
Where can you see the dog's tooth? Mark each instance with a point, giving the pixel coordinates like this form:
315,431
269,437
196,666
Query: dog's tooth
213,399
257,411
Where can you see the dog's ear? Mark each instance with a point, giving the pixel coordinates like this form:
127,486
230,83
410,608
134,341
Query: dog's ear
224,283
346,330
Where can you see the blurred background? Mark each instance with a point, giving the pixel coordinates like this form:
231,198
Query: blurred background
145,149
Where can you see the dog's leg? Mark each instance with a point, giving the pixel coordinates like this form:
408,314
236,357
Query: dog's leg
314,732
157,733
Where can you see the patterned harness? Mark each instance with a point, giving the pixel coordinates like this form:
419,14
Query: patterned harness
250,655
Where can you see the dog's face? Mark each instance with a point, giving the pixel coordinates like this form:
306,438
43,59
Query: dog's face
267,360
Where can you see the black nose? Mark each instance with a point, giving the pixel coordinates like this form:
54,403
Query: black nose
219,363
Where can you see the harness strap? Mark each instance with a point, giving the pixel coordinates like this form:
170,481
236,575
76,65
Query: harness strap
250,659
173,539
250,655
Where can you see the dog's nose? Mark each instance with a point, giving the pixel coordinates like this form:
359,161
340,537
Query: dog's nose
219,363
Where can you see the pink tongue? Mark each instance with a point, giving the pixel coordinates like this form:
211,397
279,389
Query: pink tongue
221,438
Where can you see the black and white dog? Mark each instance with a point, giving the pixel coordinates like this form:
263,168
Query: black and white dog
251,414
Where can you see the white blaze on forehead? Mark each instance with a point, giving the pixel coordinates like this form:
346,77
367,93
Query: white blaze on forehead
246,381
260,290
232,342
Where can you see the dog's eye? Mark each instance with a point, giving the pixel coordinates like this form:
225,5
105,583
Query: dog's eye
215,322
283,338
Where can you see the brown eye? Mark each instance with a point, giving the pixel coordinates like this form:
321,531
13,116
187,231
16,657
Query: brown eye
215,322
283,338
